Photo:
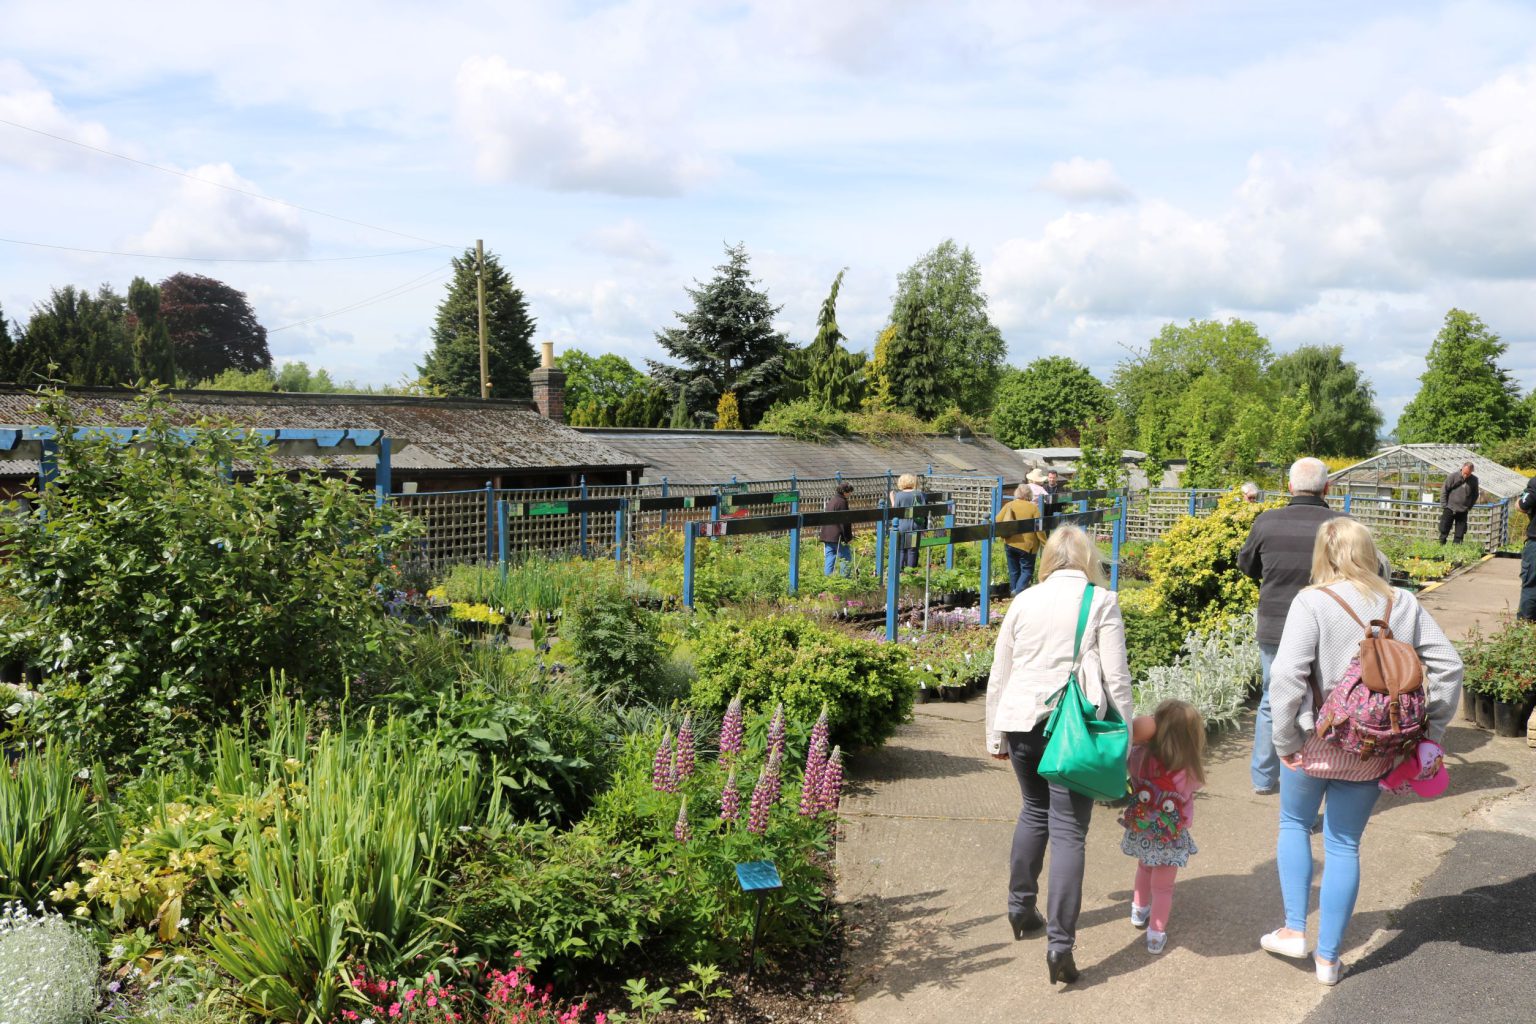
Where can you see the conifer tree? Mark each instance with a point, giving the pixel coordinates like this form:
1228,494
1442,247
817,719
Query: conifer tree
83,336
7,350
1464,397
914,366
454,362
834,376
727,412
154,359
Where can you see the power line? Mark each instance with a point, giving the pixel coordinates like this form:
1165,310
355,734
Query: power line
220,184
409,286
220,259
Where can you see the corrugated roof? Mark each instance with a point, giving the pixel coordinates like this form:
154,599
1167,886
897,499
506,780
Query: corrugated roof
1493,479
710,456
440,434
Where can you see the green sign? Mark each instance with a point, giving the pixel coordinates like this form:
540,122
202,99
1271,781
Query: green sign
940,540
687,503
549,508
786,497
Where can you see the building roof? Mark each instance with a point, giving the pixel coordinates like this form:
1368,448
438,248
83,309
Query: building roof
1071,454
1493,479
430,435
712,456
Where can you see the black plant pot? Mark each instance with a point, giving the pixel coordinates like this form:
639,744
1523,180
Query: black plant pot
1484,711
1509,719
1469,706
924,695
951,694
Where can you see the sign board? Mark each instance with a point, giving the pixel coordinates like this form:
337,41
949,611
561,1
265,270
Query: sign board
713,529
549,508
786,497
733,488
937,540
757,875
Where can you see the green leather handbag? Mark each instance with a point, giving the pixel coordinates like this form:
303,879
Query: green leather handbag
1084,753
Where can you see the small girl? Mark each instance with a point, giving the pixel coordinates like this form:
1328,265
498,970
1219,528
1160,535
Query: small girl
1165,767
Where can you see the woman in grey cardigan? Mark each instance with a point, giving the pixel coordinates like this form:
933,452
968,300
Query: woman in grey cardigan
1319,641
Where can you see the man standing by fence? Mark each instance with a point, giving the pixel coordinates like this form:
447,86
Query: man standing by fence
1456,499
1020,548
1278,557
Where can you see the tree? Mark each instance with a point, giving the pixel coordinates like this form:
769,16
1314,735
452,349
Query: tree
968,348
1344,420
824,371
7,350
601,383
83,336
727,413
454,362
297,378
1052,398
213,327
239,380
914,366
154,358
727,342
1464,397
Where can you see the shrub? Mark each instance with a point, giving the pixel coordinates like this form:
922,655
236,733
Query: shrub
866,686
616,647
45,821
1503,665
1193,568
805,420
1152,636
1215,672
161,594
47,969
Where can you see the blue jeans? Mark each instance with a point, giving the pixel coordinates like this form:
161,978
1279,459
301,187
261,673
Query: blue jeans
834,553
1265,767
1021,566
1346,808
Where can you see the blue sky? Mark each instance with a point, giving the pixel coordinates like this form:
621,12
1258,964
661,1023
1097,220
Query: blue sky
1338,173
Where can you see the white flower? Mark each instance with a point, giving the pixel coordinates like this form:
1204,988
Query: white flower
183,922
117,951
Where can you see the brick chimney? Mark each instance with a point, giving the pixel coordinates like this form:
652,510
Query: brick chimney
549,385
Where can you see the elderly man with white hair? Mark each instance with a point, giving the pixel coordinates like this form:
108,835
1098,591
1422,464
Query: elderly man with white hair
1278,557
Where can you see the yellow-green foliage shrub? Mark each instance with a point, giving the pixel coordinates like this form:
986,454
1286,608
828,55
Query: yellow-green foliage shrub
1193,569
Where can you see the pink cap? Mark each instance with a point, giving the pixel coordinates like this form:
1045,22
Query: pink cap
1432,786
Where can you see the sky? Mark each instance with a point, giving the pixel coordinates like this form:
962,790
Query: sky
1336,173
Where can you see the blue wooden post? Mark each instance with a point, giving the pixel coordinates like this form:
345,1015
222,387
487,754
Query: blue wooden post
1347,496
689,530
880,527
949,549
382,484
501,539
986,573
48,464
794,550
1114,545
1192,501
664,492
618,534
892,584
490,522
583,517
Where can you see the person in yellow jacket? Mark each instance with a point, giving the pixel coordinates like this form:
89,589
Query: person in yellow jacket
1021,547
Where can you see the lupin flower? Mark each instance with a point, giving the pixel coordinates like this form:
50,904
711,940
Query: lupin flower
662,780
732,730
682,758
730,800
776,732
762,799
775,773
816,752
832,781
681,832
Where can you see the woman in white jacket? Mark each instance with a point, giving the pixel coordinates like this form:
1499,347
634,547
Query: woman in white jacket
1032,661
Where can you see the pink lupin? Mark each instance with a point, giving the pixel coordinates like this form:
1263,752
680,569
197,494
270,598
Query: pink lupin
661,766
681,831
730,799
762,800
682,757
832,781
732,730
777,734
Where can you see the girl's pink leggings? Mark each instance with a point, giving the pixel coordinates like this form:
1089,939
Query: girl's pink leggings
1154,888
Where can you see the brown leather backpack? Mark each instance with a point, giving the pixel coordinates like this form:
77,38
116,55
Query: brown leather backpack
1387,665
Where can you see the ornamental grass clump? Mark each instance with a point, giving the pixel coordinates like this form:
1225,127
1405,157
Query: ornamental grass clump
45,819
47,968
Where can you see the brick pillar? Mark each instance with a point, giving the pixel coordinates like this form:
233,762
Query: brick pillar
549,386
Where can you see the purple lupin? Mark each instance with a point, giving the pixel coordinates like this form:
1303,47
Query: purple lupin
815,765
776,732
682,758
661,766
757,813
774,771
681,832
832,781
730,799
732,730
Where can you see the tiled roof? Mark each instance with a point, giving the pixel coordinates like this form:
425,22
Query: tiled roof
711,456
438,434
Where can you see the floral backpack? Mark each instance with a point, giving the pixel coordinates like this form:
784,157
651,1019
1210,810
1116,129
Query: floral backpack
1156,810
1379,708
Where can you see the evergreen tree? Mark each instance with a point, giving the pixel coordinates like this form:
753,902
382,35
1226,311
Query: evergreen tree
7,350
727,342
213,327
834,377
454,362
727,412
154,359
968,348
1464,397
84,336
914,366
1344,419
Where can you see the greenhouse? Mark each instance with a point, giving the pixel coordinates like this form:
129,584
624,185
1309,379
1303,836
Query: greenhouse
1416,472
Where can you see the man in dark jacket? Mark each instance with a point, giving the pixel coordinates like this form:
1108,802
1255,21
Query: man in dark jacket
1527,503
835,537
1456,498
1278,557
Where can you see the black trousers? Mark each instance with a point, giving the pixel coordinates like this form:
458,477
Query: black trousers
1528,581
1052,815
1447,517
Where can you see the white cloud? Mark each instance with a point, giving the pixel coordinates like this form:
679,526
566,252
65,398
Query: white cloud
627,240
538,129
208,221
24,100
1082,180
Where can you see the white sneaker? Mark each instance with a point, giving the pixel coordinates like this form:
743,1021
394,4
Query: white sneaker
1293,946
1329,974
1157,940
1140,915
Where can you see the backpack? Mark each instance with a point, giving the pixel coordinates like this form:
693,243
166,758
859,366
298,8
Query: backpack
1379,707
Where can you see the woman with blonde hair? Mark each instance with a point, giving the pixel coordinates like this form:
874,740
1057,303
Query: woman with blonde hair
1323,630
1037,649
906,495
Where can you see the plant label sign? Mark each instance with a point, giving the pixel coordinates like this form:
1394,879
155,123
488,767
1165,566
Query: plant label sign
758,875
713,529
549,508
937,540
786,497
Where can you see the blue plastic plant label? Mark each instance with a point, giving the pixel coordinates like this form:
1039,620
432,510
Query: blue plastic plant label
758,874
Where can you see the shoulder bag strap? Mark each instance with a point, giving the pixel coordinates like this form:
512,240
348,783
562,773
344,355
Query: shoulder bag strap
1077,644
1345,605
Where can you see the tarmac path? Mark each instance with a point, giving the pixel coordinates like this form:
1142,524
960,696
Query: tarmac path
1445,910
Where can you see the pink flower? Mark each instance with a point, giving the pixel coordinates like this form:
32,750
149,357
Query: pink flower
730,800
757,814
681,832
394,1009
682,759
832,781
662,778
776,732
815,764
431,1000
732,730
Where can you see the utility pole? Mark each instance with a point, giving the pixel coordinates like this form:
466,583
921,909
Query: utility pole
485,363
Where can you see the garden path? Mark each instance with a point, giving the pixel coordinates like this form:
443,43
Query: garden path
922,871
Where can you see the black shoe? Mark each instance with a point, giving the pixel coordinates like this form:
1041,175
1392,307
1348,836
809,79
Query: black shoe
1025,921
1061,966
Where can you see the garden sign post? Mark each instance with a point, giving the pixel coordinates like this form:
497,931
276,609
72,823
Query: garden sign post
759,877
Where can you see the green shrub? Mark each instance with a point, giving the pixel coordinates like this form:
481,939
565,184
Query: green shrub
616,647
1215,671
46,818
1503,665
1193,568
1152,636
805,420
866,685
160,595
